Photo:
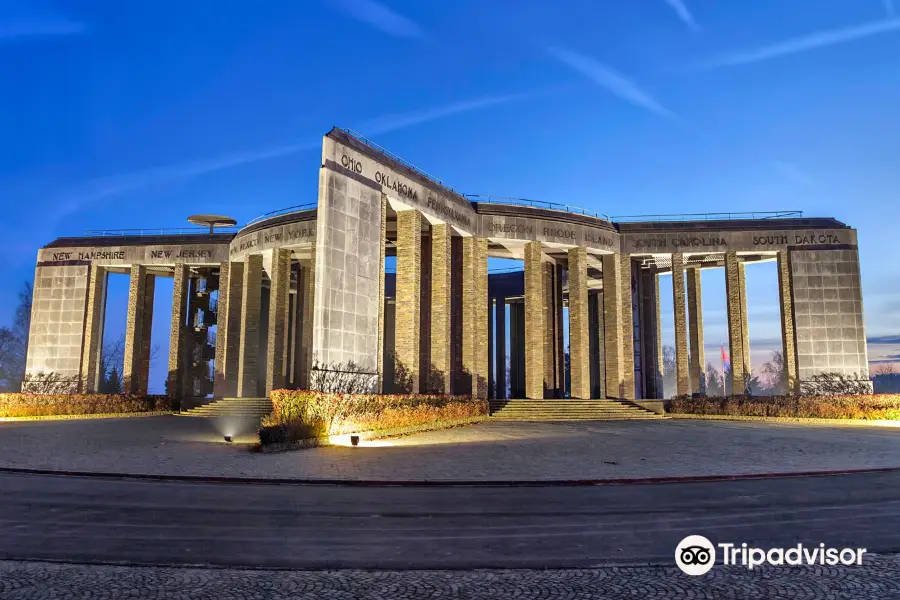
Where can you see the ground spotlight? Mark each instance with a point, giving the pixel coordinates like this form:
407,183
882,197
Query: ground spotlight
354,439
227,438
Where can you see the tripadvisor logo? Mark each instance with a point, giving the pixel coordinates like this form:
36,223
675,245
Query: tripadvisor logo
696,555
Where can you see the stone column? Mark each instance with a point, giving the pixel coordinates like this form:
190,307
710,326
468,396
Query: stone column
409,267
627,329
308,273
612,325
745,326
598,364
549,346
682,369
177,332
93,329
660,363
517,349
221,331
500,348
650,338
558,339
146,334
134,330
579,342
381,250
440,305
248,354
276,347
231,327
490,348
534,322
788,339
733,299
695,319
475,315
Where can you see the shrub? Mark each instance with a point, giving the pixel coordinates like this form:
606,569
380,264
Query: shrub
855,406
301,414
34,405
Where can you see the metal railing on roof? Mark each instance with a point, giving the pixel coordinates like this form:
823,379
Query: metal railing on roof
147,231
722,216
536,204
156,231
281,211
403,162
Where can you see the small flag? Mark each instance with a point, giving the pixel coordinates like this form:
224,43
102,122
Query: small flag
726,362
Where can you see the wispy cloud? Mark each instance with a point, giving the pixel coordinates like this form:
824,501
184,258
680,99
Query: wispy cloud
683,13
22,29
613,82
889,7
381,17
813,41
106,187
390,123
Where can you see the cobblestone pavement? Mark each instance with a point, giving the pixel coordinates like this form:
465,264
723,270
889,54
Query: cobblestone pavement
878,577
492,450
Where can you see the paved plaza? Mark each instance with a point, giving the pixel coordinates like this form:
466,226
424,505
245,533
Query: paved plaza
502,451
878,578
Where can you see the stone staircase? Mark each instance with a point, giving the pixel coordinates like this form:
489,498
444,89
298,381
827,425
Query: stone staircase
569,410
241,408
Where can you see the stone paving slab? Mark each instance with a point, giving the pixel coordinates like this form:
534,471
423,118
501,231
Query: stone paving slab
877,578
501,451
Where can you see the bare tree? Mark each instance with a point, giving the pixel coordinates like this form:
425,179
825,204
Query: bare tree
885,369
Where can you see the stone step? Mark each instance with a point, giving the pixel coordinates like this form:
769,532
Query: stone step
568,410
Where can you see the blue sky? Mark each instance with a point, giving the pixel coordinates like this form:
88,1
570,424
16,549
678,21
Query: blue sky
126,114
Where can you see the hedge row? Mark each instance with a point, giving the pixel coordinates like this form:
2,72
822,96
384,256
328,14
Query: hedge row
862,406
303,414
42,405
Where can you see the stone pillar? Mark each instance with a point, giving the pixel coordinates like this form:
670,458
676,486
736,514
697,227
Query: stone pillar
558,339
381,250
409,267
221,331
517,349
534,322
134,330
612,325
231,327
490,348
627,301
146,334
248,353
682,369
475,315
93,329
177,332
307,288
745,326
788,339
276,346
650,338
440,306
549,346
695,319
500,349
579,342
735,305
598,364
